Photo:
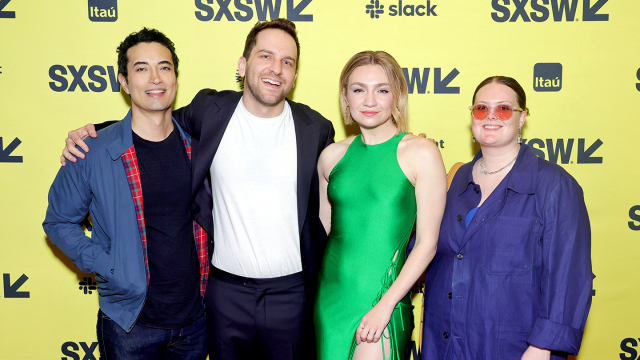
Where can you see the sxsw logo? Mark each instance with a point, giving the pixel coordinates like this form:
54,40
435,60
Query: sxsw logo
547,77
628,346
418,81
634,215
72,350
374,9
541,13
638,77
96,73
244,12
562,150
103,10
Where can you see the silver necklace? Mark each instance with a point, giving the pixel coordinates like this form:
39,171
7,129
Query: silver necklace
483,170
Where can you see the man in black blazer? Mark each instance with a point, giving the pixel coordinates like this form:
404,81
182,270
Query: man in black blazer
259,303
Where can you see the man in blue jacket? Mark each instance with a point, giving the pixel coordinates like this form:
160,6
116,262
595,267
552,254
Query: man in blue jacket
150,256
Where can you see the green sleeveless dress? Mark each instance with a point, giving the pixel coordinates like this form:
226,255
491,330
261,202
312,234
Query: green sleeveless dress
373,210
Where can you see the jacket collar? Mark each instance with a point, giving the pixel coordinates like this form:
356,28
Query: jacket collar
522,177
124,140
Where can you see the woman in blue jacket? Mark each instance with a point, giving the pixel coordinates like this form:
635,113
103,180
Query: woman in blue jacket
512,277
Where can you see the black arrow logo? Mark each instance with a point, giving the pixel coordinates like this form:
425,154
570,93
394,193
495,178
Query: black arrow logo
441,86
4,154
590,13
584,156
11,290
294,12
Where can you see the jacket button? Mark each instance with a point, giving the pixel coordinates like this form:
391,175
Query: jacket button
112,271
449,295
445,335
245,283
476,190
459,217
459,256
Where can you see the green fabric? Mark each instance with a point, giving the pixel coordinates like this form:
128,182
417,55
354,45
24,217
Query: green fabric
373,213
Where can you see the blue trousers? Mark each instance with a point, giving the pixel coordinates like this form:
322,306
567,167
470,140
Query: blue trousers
146,343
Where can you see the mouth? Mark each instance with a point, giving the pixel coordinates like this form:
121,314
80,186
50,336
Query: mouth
491,127
369,113
155,92
271,82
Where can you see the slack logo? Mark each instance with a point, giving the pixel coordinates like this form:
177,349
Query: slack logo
72,350
375,9
88,285
547,77
540,12
103,10
96,73
440,84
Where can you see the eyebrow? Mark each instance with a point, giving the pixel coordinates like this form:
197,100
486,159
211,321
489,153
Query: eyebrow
146,63
273,53
365,85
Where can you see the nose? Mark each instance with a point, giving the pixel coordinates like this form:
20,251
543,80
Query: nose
370,99
154,76
276,67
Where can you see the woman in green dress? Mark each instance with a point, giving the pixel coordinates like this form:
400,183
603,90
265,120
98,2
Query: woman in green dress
373,188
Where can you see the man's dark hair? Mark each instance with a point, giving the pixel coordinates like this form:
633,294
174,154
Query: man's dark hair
147,36
280,23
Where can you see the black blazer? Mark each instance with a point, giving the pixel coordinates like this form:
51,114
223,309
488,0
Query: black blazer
206,119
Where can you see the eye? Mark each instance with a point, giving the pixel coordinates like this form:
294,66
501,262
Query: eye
384,91
481,107
503,108
140,69
357,90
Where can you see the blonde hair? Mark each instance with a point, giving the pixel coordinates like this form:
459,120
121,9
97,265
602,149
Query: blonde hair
399,111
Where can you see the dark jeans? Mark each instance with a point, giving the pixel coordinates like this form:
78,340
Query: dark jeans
256,318
146,343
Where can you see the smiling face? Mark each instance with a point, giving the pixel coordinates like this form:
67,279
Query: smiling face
493,131
151,79
368,94
270,70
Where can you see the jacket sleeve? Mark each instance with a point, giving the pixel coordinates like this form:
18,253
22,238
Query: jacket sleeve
567,278
187,116
69,201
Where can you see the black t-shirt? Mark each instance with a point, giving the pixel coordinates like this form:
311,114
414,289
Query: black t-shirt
173,298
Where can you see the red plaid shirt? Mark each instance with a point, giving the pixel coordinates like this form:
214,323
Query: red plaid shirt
130,162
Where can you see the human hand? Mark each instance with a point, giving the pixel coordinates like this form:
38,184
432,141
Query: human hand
535,353
76,137
373,324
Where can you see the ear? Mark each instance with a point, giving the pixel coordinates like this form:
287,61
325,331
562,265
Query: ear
523,117
294,80
123,82
242,66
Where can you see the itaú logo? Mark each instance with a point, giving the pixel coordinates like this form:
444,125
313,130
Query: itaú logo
374,9
103,10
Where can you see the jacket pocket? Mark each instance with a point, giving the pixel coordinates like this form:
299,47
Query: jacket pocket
509,245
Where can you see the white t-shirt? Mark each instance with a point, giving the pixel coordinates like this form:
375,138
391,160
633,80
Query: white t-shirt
254,188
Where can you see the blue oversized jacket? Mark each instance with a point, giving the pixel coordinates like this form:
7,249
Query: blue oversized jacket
99,185
519,275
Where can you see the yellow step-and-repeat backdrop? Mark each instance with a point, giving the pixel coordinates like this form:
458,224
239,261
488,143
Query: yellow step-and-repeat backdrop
578,60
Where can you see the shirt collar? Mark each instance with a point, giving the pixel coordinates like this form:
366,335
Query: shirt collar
521,178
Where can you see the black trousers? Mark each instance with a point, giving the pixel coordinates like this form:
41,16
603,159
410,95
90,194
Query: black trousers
256,318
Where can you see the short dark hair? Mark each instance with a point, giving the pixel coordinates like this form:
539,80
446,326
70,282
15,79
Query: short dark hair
147,36
521,97
280,23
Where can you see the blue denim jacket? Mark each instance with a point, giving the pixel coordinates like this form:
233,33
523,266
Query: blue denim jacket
99,185
519,275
